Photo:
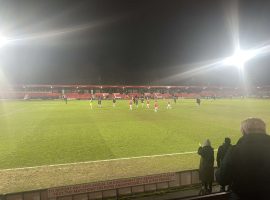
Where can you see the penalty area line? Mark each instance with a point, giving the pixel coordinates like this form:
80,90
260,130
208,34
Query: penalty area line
97,161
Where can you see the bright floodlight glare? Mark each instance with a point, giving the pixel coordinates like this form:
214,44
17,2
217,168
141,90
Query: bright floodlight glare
239,58
3,40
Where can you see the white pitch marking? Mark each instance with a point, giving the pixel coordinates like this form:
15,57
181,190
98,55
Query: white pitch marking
97,161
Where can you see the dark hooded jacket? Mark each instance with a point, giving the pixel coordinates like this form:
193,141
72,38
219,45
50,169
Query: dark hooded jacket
246,166
206,169
222,150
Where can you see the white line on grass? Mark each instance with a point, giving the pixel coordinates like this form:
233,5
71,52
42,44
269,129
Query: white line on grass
97,161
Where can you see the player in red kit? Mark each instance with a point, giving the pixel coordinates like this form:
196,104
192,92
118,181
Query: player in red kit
148,103
156,106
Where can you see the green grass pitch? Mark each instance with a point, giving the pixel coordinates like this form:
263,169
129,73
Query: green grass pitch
34,133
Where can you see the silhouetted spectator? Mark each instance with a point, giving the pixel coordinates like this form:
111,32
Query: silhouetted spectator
206,170
222,150
247,164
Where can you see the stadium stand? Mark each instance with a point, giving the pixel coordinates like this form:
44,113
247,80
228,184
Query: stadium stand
78,96
207,94
29,95
148,95
158,96
118,96
161,96
179,95
101,95
167,95
85,96
130,95
12,95
42,95
127,92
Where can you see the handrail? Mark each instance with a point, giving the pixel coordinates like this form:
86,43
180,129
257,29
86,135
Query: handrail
214,196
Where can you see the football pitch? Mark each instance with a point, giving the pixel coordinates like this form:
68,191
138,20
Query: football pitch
35,133
47,144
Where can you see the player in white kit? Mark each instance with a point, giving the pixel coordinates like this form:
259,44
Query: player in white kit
91,103
130,104
169,105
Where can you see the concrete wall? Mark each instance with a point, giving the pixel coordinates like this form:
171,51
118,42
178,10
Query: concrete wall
183,178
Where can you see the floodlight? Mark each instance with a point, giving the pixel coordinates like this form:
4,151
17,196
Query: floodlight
239,58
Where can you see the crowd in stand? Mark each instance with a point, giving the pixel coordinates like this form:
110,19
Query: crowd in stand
243,168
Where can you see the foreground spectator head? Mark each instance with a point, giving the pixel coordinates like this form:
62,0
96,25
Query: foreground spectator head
227,140
253,125
246,166
207,143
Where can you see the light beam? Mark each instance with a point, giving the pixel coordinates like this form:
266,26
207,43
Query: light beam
240,57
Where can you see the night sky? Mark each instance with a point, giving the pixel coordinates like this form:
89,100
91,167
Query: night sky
128,42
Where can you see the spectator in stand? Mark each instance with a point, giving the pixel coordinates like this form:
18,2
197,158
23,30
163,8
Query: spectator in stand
206,169
222,150
247,164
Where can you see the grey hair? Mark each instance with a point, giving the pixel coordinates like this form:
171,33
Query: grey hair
253,125
207,143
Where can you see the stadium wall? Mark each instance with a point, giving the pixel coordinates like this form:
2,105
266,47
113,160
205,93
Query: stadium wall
112,188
